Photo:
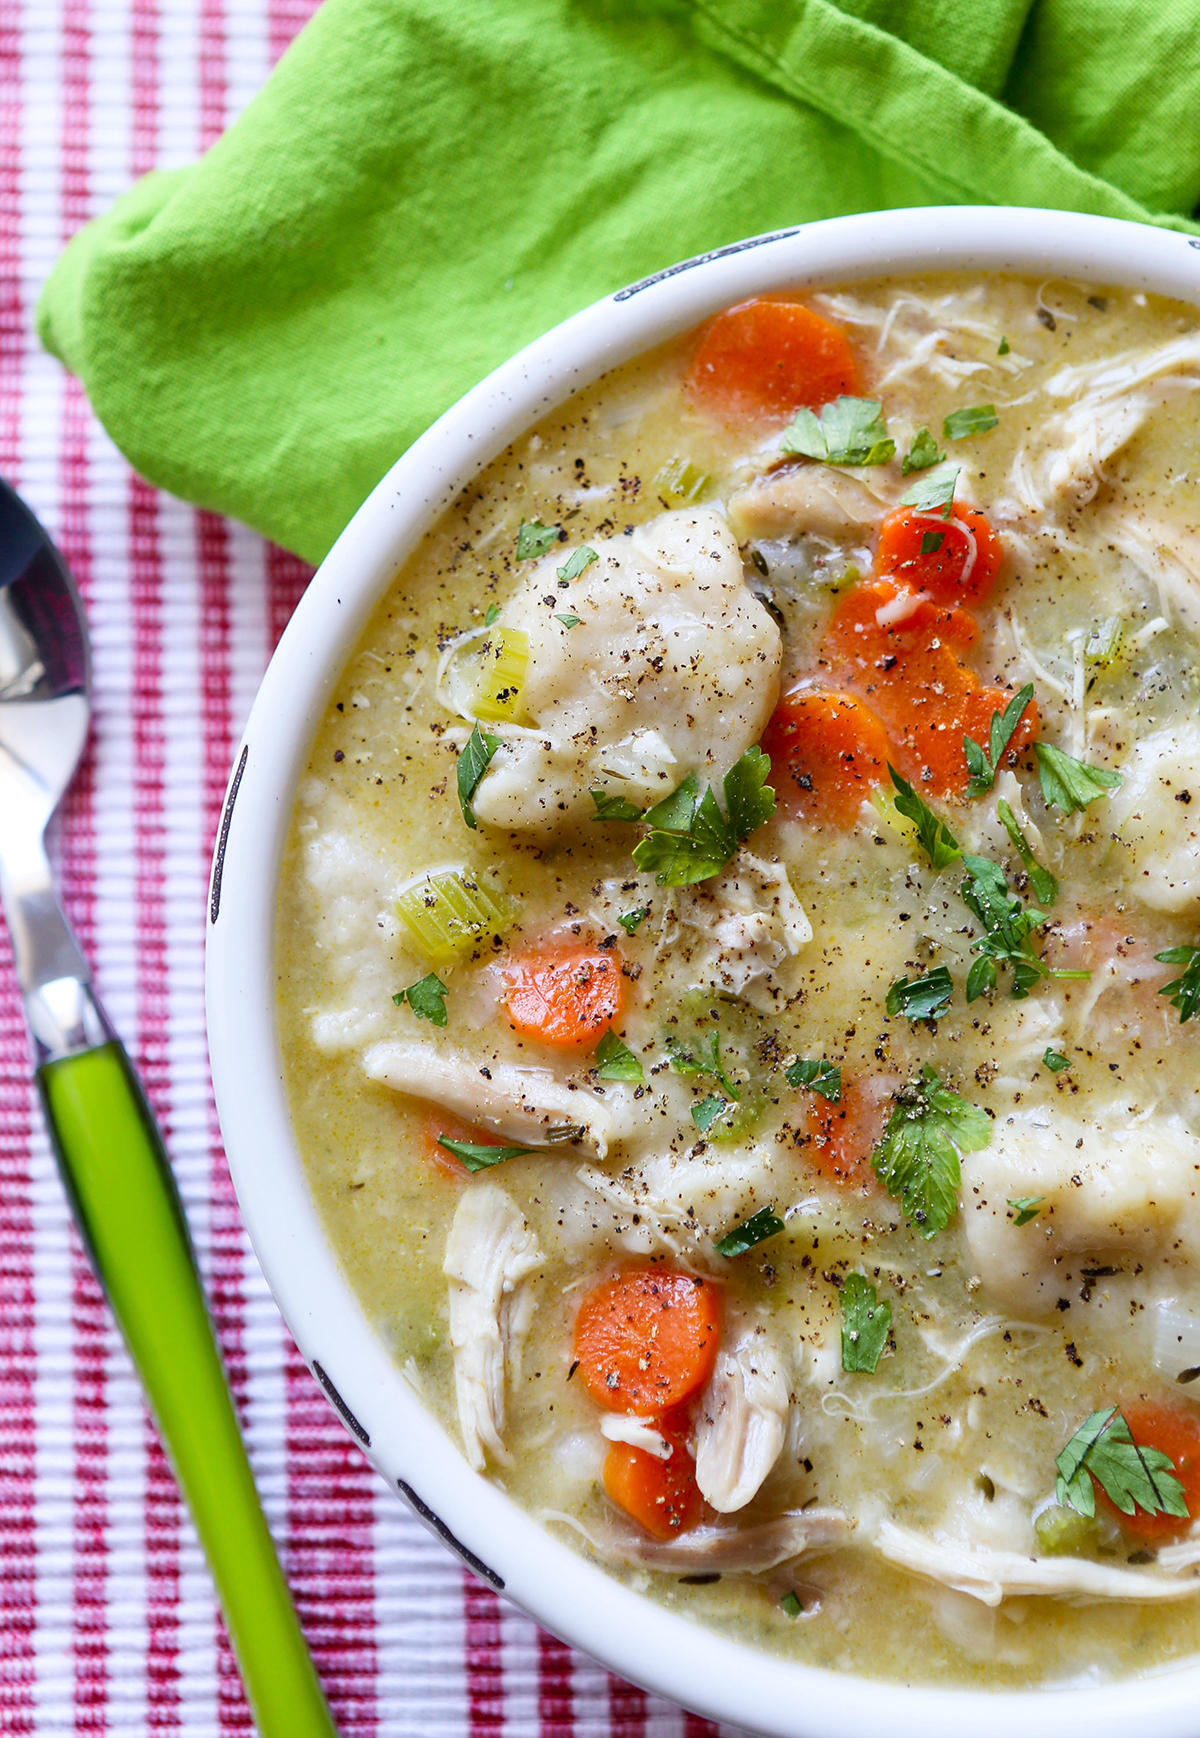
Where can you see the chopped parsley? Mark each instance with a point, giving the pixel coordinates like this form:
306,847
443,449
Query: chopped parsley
629,920
610,808
761,1225
690,838
703,1058
1003,348
790,1603
568,621
1007,926
426,998
865,1325
916,1159
822,1077
923,998
1045,887
1184,991
477,1158
473,762
576,564
922,454
1026,1207
931,542
935,837
1055,1061
707,1112
615,1060
983,765
534,538
850,431
1104,642
1071,783
493,615
934,493
961,423
1129,1475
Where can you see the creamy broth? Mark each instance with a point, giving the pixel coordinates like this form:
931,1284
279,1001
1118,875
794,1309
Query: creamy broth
926,1555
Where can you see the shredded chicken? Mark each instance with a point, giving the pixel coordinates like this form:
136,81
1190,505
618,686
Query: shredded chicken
672,667
742,1422
489,1253
637,1432
816,500
721,1550
991,1576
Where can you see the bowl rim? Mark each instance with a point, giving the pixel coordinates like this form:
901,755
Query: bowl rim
666,1653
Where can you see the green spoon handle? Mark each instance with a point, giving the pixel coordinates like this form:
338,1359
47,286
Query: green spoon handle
123,1191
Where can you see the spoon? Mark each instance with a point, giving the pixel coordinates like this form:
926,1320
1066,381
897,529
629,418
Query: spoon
111,1156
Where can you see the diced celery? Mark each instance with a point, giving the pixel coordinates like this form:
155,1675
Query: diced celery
681,483
1103,644
447,911
499,676
1062,1532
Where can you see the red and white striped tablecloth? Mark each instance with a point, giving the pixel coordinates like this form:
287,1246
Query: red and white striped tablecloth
107,1617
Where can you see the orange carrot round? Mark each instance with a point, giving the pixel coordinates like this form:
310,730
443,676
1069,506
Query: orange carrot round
566,996
646,1339
842,1136
660,1495
1176,1432
762,360
954,560
828,752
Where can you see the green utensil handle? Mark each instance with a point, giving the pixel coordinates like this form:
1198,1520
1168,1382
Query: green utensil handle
120,1181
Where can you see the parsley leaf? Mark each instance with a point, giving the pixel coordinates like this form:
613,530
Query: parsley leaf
916,1159
615,1060
763,1224
1055,1061
426,998
934,493
850,431
936,839
1069,782
1185,991
865,1324
961,423
984,765
1130,1476
931,542
1007,925
922,454
534,538
568,621
576,564
923,998
610,808
704,1059
1045,887
822,1077
480,1158
1003,348
706,1113
790,1603
1026,1207
493,615
629,920
473,762
847,431
691,840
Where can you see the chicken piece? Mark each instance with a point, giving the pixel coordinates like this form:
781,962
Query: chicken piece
637,1432
489,1253
1169,552
1156,820
813,500
672,668
991,1576
722,1550
524,1105
748,920
1109,1188
742,1422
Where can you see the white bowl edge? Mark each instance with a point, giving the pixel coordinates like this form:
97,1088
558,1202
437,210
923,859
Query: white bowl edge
660,1650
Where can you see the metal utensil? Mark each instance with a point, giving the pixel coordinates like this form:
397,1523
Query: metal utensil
110,1153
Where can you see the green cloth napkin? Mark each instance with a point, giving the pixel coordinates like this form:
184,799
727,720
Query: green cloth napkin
423,186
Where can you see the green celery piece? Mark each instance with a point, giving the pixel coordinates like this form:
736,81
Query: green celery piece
681,482
1063,1532
447,912
1103,645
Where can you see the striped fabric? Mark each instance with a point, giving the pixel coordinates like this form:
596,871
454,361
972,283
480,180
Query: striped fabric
107,1619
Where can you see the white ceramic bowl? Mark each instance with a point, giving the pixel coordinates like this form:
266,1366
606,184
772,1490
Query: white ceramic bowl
634,1636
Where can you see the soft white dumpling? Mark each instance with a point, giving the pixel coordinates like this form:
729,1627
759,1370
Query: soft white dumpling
1156,816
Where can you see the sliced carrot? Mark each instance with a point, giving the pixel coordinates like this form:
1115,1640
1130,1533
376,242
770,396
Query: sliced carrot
843,1136
762,360
907,656
660,1495
828,751
954,560
1177,1433
567,997
646,1339
436,1124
